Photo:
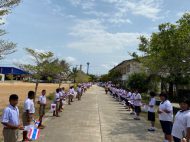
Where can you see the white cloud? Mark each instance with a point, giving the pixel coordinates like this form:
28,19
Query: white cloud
119,21
147,8
106,66
180,14
70,59
93,38
84,4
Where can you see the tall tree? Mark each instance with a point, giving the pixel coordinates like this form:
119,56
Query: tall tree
40,66
6,47
73,74
167,51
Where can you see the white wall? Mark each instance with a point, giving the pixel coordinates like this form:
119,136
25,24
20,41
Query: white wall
3,77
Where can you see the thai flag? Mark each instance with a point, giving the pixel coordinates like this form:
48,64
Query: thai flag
36,122
34,134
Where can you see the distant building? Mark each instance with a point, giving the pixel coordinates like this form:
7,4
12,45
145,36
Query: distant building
127,68
15,72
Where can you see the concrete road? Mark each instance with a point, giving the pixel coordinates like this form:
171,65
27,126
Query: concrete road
97,118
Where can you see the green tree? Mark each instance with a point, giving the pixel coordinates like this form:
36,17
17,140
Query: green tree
82,77
6,47
93,78
138,81
167,52
73,74
41,65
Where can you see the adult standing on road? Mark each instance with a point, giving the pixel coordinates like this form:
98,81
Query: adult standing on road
181,126
28,113
42,103
10,120
165,112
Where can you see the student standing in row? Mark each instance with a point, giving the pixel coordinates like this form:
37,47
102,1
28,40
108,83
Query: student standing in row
181,126
28,113
42,103
151,111
165,112
71,95
79,92
137,104
57,101
10,120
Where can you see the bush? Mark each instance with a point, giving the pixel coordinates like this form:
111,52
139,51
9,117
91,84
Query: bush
138,81
50,97
1,77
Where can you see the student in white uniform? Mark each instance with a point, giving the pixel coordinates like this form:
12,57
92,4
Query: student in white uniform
10,120
28,113
42,103
165,112
151,111
71,95
79,92
57,101
181,126
132,102
137,104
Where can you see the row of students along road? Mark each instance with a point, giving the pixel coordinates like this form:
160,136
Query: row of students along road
30,127
175,129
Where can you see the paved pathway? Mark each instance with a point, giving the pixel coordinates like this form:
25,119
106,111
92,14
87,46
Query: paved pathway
97,118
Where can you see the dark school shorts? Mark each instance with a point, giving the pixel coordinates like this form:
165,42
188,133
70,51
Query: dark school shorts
166,127
151,116
137,109
176,139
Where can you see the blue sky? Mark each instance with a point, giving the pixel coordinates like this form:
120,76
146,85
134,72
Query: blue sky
101,32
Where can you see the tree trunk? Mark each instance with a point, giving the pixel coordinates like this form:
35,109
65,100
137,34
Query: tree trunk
36,89
60,84
171,88
164,87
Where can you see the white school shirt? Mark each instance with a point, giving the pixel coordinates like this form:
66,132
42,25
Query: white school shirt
72,92
60,95
129,95
166,105
42,99
29,105
64,94
152,103
79,89
132,98
57,97
11,115
137,100
181,123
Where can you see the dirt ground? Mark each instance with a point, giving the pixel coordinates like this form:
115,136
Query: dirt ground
21,89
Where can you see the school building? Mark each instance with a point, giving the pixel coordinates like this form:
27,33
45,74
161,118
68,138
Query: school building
127,68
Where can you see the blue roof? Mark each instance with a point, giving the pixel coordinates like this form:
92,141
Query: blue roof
12,70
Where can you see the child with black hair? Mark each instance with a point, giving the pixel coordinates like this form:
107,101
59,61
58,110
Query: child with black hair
11,121
151,111
181,126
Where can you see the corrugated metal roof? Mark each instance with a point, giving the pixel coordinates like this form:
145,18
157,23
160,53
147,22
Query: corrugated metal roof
12,70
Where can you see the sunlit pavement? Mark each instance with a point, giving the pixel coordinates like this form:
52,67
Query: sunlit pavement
97,118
